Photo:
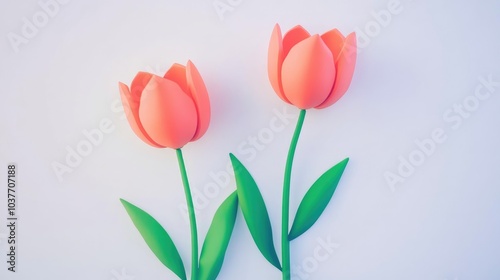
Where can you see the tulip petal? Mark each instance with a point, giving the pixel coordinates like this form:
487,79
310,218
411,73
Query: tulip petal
177,73
335,41
275,59
199,94
167,113
345,70
293,37
308,73
131,109
138,84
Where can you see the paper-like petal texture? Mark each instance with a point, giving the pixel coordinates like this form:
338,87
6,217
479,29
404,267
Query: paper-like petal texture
198,93
138,84
308,73
167,114
345,69
293,37
334,40
177,74
275,59
132,112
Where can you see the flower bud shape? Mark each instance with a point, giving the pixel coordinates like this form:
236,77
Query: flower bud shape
168,111
311,71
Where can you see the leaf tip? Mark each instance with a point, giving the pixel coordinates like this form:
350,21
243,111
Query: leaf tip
232,157
343,163
124,202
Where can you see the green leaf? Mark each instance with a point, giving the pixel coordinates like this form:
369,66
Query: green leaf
316,199
157,239
217,239
254,211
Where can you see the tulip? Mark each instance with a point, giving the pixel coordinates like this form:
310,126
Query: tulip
167,111
311,71
307,72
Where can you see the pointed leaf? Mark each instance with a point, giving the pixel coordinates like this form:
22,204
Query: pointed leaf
316,199
157,239
217,239
255,212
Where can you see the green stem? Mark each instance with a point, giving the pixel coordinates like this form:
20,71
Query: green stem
192,217
285,243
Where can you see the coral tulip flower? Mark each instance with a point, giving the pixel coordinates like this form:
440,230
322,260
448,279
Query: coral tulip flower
311,71
167,111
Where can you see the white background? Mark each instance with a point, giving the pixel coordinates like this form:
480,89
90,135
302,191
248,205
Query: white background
441,223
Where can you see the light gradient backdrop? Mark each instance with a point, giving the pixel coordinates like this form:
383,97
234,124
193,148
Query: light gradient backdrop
419,62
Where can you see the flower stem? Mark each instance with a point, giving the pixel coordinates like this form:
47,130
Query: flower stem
192,217
285,243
